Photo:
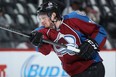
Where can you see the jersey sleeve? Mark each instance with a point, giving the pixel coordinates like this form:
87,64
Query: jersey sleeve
44,48
93,30
88,27
48,34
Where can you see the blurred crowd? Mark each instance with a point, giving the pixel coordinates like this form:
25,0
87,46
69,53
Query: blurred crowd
21,15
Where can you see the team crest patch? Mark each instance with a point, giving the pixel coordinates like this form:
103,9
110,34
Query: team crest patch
68,40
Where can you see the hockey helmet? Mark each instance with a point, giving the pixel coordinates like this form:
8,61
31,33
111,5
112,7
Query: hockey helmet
48,8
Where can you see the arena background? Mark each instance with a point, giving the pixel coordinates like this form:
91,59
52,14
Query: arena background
18,58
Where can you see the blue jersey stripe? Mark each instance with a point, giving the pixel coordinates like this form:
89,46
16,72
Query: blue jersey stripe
101,35
96,57
39,28
76,15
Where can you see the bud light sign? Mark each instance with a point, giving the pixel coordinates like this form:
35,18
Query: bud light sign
36,66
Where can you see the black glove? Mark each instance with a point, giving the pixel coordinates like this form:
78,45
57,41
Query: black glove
88,49
36,38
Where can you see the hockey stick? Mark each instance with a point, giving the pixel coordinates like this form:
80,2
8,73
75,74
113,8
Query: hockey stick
45,41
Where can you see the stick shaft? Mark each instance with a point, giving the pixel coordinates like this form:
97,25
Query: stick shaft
45,41
25,35
54,43
6,29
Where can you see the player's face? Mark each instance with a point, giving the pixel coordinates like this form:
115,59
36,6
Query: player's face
45,20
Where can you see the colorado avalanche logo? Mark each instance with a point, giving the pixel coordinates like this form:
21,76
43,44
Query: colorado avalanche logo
68,40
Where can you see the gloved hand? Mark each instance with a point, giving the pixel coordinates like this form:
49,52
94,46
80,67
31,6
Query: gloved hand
88,49
36,38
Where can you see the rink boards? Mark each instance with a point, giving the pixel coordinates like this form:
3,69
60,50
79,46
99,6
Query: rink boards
29,63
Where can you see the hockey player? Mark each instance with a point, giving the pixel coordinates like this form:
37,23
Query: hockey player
76,30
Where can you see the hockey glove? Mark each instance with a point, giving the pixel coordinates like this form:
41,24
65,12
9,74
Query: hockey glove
36,38
88,49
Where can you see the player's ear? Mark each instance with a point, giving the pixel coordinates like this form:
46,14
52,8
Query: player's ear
53,16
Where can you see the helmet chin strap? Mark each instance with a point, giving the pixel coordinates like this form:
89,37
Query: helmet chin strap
53,22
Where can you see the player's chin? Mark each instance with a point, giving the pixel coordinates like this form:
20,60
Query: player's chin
47,26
